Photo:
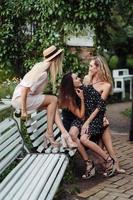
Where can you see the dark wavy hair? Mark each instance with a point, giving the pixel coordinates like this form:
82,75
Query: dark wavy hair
67,92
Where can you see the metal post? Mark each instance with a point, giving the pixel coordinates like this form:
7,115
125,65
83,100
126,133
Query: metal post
131,126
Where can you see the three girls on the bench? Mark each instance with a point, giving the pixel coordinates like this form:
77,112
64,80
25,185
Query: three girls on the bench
85,111
28,95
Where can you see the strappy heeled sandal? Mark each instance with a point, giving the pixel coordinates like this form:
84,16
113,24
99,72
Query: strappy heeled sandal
67,142
90,170
109,167
50,139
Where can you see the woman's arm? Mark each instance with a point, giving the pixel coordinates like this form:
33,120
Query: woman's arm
24,92
104,96
79,112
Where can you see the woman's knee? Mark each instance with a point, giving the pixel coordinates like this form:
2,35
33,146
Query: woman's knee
54,99
50,99
83,138
74,133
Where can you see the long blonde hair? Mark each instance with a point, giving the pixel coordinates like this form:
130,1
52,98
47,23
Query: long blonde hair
104,71
56,68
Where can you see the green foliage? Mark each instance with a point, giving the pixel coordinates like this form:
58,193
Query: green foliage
119,32
28,26
7,87
130,63
113,62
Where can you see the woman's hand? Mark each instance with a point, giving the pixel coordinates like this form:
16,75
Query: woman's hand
85,128
80,94
105,121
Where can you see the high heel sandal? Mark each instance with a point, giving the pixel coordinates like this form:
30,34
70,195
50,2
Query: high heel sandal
68,143
109,167
90,170
50,139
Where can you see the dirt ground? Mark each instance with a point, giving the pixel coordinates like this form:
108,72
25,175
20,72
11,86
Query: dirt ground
119,124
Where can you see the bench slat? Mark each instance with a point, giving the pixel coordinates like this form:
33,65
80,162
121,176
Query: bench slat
45,177
36,164
13,145
39,131
34,126
16,177
13,172
35,117
30,177
10,140
56,182
56,172
8,134
42,172
10,158
6,124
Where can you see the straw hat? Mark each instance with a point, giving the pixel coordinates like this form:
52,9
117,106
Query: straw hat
51,52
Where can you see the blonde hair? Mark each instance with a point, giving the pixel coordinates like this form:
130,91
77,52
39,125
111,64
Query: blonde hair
104,71
56,68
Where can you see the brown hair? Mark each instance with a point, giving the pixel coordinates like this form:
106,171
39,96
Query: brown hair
67,92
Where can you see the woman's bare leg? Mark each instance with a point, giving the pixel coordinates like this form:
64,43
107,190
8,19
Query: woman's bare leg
74,132
93,146
107,140
50,103
65,135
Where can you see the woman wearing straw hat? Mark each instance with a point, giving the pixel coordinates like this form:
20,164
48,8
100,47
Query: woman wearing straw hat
28,94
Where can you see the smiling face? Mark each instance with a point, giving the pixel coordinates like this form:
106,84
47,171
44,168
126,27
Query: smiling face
93,68
76,80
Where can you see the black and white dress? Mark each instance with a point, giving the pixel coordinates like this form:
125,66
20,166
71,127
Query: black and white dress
92,100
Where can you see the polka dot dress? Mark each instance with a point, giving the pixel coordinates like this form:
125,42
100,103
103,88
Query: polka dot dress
93,100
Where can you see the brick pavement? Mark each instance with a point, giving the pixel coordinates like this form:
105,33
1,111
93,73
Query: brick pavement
118,187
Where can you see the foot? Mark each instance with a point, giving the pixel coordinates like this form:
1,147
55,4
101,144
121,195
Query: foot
67,142
71,144
90,170
50,139
118,170
109,167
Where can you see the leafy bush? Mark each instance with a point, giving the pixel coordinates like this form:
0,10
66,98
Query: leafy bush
113,62
130,63
7,88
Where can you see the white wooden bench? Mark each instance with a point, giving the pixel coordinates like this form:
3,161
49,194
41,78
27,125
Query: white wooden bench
36,176
120,76
36,128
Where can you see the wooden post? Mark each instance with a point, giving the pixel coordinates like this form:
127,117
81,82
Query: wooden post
131,126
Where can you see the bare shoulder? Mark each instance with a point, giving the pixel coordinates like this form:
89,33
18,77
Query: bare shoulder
107,86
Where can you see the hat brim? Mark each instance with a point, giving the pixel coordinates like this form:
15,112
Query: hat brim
53,56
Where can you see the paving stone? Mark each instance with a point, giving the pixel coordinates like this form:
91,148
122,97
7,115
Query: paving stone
110,197
121,182
121,198
118,194
126,187
101,194
119,187
113,189
90,192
